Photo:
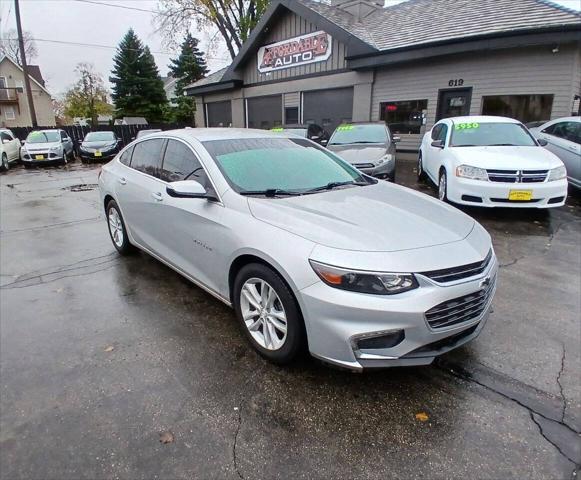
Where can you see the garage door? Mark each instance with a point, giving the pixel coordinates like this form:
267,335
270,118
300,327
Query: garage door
264,112
219,114
328,108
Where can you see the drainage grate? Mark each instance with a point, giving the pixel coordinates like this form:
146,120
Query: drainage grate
82,187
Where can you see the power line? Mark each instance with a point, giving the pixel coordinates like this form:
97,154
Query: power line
117,6
95,45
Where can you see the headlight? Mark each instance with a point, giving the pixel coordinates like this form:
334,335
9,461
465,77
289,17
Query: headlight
365,282
474,173
558,173
386,158
58,148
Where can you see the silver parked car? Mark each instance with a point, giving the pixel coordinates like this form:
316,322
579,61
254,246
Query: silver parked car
306,249
563,137
370,147
47,146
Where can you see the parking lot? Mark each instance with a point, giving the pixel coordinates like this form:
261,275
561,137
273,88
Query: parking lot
117,367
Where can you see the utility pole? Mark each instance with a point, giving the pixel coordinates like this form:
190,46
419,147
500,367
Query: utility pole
24,65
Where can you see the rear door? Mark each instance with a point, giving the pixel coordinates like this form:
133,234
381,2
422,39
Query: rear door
141,193
190,228
564,140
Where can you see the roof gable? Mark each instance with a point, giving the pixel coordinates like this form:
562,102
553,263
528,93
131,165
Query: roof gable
5,57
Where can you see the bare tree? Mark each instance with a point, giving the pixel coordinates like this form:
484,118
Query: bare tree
234,19
9,46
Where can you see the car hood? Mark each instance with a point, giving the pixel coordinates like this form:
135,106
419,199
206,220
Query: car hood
381,217
99,144
359,153
507,158
41,146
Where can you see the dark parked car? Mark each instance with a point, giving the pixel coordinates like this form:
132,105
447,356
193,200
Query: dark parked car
99,146
312,131
370,147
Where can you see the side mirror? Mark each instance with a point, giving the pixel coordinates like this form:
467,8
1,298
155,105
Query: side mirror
542,142
22,142
396,139
187,189
438,143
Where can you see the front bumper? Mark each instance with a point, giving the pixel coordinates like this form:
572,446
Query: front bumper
90,156
495,194
337,319
31,158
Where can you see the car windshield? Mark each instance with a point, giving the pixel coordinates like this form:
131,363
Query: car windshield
473,134
279,164
349,134
99,137
43,137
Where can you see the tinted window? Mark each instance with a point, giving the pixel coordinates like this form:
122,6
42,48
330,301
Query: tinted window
567,130
278,163
147,156
180,163
125,157
436,131
526,108
403,116
63,135
491,134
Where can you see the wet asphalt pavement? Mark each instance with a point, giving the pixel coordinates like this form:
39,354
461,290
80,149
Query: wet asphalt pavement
102,356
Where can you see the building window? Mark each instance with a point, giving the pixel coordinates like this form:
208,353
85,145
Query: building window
9,113
403,116
291,115
526,108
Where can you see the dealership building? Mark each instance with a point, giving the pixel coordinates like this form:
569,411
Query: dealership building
409,65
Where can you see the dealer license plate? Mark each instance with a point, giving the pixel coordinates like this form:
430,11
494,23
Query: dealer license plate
39,157
98,153
520,195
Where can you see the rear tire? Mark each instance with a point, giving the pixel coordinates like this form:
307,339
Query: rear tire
420,168
275,312
4,165
117,229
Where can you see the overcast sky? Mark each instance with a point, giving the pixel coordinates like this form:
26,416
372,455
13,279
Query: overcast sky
82,22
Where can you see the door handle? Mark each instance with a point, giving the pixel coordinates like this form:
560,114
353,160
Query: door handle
157,196
573,149
122,181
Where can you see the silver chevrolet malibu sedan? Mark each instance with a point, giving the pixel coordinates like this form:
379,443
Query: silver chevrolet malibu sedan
310,252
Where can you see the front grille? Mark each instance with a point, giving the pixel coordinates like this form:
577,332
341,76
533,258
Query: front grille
363,165
506,200
461,309
458,273
517,176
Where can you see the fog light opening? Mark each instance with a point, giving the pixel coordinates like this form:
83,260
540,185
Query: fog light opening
379,340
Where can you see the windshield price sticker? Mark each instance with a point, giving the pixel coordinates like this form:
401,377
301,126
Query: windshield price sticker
466,126
343,128
276,129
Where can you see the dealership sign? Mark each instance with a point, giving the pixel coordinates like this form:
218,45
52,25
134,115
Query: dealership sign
294,52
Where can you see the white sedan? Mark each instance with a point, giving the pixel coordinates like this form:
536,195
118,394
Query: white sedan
491,162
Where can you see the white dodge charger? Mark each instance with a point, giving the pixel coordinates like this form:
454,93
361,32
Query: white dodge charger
491,162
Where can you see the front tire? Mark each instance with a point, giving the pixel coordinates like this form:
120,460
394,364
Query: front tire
117,229
269,314
443,186
420,168
4,165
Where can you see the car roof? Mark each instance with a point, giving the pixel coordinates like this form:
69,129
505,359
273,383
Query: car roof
218,133
482,119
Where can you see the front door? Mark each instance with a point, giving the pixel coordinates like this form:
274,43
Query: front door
454,103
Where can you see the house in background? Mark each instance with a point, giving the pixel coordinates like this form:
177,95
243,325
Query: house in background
13,102
131,121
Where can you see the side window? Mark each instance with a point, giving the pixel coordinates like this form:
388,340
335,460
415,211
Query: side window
180,163
146,156
568,131
436,131
443,133
63,136
550,129
125,157
5,136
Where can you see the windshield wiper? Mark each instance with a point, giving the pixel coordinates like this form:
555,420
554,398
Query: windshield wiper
332,185
270,192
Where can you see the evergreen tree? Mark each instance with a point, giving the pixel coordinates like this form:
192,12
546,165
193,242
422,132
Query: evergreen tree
137,87
188,68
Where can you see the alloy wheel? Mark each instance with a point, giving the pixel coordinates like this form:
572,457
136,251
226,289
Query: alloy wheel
442,186
263,314
420,166
116,227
